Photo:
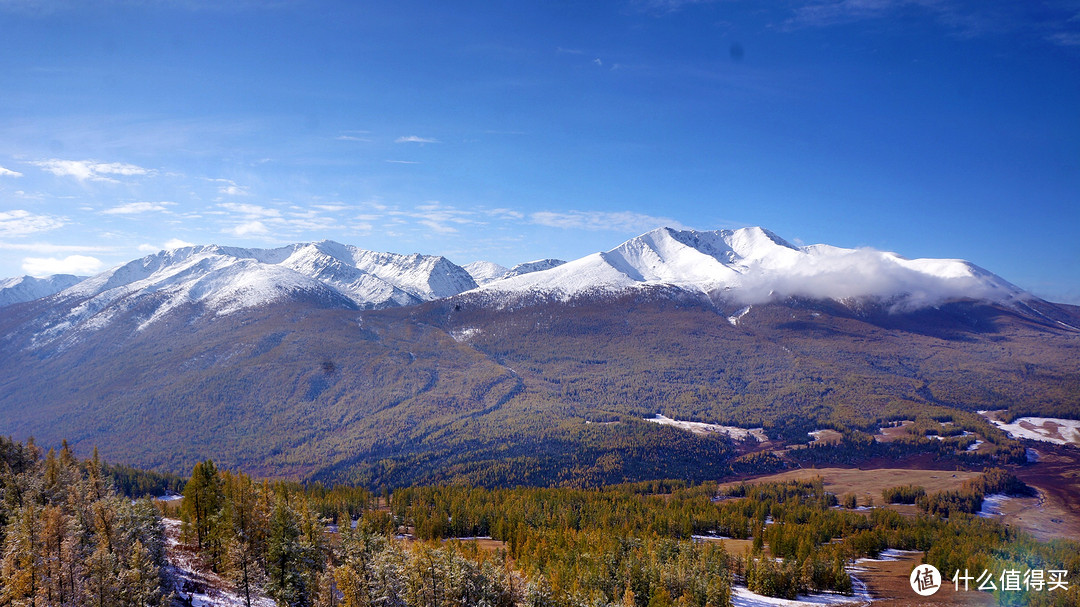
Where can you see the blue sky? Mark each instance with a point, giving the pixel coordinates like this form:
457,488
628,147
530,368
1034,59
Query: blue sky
511,131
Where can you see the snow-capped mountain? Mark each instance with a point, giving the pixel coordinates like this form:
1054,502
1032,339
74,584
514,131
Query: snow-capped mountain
28,288
744,267
532,266
484,272
223,280
753,265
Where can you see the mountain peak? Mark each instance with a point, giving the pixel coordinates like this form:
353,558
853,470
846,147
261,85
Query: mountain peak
754,265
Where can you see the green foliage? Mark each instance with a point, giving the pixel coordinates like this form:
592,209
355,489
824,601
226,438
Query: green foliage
903,494
135,482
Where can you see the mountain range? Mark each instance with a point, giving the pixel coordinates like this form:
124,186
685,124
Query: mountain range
323,360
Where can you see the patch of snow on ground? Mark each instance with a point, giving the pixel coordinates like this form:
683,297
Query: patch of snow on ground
196,584
734,318
1032,455
975,445
703,428
992,504
465,334
1044,429
742,597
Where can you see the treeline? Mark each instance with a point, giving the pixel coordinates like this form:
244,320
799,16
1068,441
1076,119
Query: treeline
858,446
136,482
903,494
969,497
268,538
68,538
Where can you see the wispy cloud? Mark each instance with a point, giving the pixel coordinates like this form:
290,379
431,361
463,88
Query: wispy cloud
415,139
21,222
46,248
613,221
9,173
821,13
666,6
251,210
403,162
249,228
135,208
229,187
351,138
72,264
89,170
1054,22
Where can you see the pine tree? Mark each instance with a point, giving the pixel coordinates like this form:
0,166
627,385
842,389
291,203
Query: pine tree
202,503
23,569
284,558
141,580
101,579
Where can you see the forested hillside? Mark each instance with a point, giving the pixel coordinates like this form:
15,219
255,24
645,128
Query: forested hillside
459,391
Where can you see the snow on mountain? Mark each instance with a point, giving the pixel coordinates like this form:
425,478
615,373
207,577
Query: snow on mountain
533,266
227,279
484,272
753,265
28,288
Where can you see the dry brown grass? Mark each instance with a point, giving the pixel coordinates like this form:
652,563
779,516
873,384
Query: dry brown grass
888,584
864,483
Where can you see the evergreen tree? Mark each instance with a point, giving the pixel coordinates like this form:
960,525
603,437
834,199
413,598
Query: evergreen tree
200,511
285,558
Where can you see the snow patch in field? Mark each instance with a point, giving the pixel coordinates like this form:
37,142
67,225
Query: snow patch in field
992,505
742,597
703,428
465,334
1047,429
891,554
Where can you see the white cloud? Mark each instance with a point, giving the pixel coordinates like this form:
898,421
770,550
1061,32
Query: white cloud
46,247
134,208
402,162
438,227
172,243
9,173
21,222
835,273
251,228
72,264
89,170
351,138
415,139
331,207
233,190
505,213
618,221
251,210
